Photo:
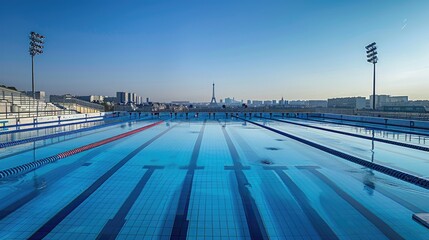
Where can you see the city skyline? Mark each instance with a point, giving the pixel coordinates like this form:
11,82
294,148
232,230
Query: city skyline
171,51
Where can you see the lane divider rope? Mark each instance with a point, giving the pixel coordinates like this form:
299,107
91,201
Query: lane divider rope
418,181
41,162
422,148
356,124
20,130
34,139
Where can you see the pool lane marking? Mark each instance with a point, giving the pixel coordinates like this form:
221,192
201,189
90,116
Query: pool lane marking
399,200
418,181
421,148
319,224
44,230
180,225
254,220
31,195
19,203
113,226
374,219
387,194
41,162
302,202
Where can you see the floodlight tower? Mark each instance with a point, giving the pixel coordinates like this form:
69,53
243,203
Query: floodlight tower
36,47
371,51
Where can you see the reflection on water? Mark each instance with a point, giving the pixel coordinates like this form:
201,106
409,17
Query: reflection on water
368,182
372,147
39,183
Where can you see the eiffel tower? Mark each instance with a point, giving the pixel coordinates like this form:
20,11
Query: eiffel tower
213,101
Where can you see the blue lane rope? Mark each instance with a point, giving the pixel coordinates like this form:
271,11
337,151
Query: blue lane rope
422,148
34,139
53,126
63,120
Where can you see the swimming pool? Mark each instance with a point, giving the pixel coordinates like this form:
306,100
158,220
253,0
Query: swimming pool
213,179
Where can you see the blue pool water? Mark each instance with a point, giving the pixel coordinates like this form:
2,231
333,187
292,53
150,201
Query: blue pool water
214,179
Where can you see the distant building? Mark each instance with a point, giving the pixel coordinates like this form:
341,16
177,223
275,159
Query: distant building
274,102
180,102
424,103
91,98
317,103
41,95
387,100
368,104
347,102
421,109
132,98
283,102
110,99
402,99
257,103
231,101
398,104
84,98
139,100
249,102
122,97
298,103
268,102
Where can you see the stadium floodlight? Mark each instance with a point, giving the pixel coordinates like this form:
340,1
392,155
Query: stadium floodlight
36,48
370,46
371,51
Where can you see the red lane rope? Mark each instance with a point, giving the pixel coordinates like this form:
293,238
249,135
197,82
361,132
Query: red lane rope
33,165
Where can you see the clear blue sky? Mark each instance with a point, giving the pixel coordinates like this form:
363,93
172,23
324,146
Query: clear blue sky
174,50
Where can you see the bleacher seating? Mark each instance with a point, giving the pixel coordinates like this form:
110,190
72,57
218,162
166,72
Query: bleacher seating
14,104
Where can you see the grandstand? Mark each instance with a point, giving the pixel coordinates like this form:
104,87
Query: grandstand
15,104
18,105
68,102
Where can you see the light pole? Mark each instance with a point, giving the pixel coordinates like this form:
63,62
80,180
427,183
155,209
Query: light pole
371,51
36,46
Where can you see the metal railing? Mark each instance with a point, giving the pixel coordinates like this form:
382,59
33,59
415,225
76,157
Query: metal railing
424,116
